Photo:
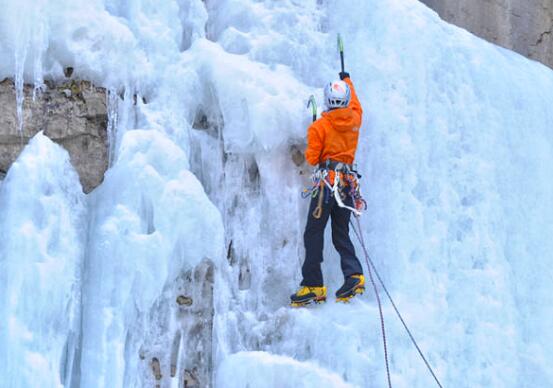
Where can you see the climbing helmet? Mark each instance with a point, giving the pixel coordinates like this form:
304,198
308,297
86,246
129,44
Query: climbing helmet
337,95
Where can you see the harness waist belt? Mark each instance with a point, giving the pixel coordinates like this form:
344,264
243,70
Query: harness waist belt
335,165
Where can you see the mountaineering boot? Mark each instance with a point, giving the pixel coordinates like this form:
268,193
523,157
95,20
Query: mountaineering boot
354,285
308,295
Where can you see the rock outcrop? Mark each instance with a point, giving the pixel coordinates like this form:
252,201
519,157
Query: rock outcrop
73,114
524,26
181,349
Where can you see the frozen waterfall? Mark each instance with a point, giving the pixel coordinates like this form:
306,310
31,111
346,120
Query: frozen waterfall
177,270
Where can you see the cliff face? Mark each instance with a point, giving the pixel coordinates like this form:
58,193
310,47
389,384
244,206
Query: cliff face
524,26
73,114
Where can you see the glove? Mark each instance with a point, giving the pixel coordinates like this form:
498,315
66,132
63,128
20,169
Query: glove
344,75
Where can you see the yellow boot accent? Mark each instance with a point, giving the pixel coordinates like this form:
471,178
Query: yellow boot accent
319,296
358,290
361,278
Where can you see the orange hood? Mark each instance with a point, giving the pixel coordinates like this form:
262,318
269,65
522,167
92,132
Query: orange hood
343,119
334,136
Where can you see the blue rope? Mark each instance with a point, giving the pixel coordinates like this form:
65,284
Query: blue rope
382,327
370,265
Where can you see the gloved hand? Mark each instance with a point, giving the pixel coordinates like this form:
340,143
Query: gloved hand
344,75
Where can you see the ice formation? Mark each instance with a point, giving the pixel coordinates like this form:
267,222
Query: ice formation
180,265
43,222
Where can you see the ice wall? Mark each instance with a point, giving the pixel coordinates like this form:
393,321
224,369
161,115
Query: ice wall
449,127
455,151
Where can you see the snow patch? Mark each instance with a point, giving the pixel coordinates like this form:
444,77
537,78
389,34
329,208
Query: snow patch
258,369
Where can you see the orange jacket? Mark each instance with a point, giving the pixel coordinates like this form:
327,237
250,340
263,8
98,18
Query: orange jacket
335,135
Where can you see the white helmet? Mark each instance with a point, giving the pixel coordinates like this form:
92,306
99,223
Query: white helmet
337,95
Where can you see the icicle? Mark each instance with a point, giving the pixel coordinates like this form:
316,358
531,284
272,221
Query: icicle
120,102
20,57
40,45
113,119
31,37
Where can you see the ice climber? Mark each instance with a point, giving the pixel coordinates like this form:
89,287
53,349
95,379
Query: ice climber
331,145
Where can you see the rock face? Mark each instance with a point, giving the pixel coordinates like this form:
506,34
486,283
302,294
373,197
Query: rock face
73,114
524,26
182,344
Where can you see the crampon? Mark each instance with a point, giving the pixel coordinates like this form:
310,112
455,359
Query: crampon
307,303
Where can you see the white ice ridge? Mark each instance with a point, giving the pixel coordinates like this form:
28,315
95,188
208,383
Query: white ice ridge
42,224
456,152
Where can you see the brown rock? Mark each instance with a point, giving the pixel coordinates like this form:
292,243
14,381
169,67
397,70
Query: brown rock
524,26
179,340
73,114
297,154
184,300
190,379
156,368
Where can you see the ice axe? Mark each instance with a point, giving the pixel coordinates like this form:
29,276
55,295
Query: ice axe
313,103
341,51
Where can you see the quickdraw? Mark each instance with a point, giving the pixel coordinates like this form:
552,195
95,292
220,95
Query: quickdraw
319,209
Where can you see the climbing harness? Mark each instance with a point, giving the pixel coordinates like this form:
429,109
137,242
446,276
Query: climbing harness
370,265
336,189
322,182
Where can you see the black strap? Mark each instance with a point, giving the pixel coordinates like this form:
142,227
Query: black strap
335,165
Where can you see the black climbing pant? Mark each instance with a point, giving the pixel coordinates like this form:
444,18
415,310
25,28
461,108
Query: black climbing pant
313,238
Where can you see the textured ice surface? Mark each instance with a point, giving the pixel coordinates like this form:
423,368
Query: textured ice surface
258,369
455,151
42,224
142,236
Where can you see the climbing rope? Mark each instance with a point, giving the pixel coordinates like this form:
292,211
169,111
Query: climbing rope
382,327
370,266
337,194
